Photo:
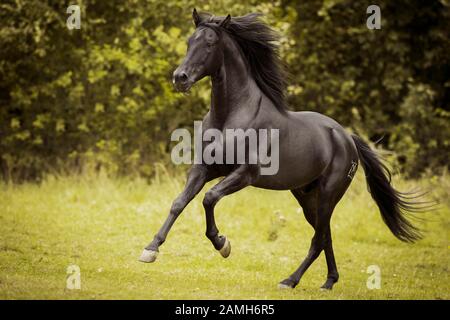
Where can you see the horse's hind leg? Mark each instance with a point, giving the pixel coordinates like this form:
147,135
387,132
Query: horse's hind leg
309,202
317,210
333,274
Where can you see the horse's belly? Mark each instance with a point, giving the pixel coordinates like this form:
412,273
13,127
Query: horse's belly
302,157
294,171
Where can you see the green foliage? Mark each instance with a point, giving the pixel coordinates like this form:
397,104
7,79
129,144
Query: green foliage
422,138
101,97
390,83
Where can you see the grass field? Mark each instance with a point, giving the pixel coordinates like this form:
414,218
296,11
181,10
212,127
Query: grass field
102,224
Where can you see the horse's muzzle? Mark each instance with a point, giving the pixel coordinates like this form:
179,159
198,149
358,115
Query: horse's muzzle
181,81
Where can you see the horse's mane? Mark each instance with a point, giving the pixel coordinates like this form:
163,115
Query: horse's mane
258,43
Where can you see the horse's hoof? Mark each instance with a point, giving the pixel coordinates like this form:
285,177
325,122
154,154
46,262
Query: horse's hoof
328,285
148,256
283,286
323,288
286,284
226,249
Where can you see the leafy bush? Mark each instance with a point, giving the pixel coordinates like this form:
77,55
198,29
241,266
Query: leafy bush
100,98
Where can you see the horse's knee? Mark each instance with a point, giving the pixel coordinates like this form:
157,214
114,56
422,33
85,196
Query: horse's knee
177,207
210,199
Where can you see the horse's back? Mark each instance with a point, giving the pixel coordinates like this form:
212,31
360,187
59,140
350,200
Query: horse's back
315,120
320,125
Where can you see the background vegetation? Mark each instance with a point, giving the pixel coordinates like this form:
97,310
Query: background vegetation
101,97
88,114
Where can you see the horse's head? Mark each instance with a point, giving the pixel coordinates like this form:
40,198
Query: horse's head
204,52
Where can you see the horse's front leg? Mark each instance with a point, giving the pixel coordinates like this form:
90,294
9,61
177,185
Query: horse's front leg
197,177
235,181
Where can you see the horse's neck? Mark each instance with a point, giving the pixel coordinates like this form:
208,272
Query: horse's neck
230,85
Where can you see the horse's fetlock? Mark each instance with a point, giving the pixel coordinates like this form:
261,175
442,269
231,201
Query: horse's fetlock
211,234
333,276
159,240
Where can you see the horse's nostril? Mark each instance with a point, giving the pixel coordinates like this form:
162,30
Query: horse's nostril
180,76
183,77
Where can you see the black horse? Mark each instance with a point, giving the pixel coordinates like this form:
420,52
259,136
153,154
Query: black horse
317,157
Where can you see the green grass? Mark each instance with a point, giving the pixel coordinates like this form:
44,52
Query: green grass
102,224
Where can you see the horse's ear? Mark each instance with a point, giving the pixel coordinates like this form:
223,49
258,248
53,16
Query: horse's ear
225,21
196,17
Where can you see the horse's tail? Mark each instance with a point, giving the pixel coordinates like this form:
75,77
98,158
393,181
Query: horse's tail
393,205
